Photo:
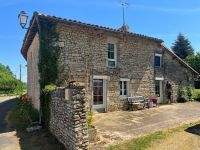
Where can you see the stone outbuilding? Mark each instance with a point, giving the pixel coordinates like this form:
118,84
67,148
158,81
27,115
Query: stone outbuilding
111,64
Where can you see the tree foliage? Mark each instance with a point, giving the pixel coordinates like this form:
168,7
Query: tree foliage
182,46
8,83
194,61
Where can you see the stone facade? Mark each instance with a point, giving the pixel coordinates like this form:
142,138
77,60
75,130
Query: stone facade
177,74
85,56
68,118
33,73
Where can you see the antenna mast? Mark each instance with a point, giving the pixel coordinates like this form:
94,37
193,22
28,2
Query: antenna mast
124,4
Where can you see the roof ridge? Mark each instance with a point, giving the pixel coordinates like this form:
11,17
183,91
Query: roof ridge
98,26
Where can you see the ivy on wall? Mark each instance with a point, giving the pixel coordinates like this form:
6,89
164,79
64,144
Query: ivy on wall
48,65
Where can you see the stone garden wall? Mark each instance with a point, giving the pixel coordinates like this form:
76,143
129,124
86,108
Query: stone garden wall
68,118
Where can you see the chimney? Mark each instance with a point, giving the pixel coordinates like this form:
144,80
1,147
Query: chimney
124,28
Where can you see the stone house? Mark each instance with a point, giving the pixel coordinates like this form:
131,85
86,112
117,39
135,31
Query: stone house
111,64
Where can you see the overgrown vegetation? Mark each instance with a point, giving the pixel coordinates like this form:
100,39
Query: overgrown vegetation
90,120
144,142
9,85
23,114
48,65
196,94
194,61
21,117
188,94
182,95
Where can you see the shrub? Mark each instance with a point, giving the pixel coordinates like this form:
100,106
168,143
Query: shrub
90,120
49,88
23,115
182,95
196,94
189,92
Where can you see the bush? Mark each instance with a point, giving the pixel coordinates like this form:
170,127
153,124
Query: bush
196,94
90,120
182,95
23,115
189,92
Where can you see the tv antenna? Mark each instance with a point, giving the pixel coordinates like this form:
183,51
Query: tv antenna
124,5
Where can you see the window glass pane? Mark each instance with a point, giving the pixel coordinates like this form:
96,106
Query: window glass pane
124,84
111,55
97,82
111,63
157,88
95,100
100,91
120,92
110,47
100,99
157,61
125,92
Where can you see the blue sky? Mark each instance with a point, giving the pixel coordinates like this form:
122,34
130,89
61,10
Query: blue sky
162,19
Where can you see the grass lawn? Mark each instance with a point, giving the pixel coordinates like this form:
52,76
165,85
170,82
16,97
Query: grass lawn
38,140
181,137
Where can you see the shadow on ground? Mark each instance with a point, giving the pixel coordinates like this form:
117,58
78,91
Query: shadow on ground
20,139
5,107
194,129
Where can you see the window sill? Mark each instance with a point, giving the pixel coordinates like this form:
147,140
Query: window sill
122,97
157,67
111,67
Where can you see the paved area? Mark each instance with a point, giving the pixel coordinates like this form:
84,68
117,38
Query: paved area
8,139
114,127
5,105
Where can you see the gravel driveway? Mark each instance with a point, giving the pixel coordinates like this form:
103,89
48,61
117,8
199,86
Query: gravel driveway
114,127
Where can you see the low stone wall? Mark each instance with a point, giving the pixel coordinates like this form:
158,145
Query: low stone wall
68,118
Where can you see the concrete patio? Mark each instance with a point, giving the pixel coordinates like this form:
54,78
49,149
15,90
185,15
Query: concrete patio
114,127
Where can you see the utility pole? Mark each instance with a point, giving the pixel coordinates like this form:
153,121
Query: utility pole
20,72
124,4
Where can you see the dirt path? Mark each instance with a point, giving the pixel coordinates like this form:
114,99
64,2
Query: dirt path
8,139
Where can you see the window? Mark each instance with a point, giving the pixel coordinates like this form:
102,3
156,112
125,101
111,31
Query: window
111,55
158,60
123,88
157,88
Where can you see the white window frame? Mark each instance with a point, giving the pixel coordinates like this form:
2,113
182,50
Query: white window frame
158,55
127,87
115,55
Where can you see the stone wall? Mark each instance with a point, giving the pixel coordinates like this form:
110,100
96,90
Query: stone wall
68,118
84,56
33,86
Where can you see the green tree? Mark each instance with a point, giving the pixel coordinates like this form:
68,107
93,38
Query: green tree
182,46
194,61
8,83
